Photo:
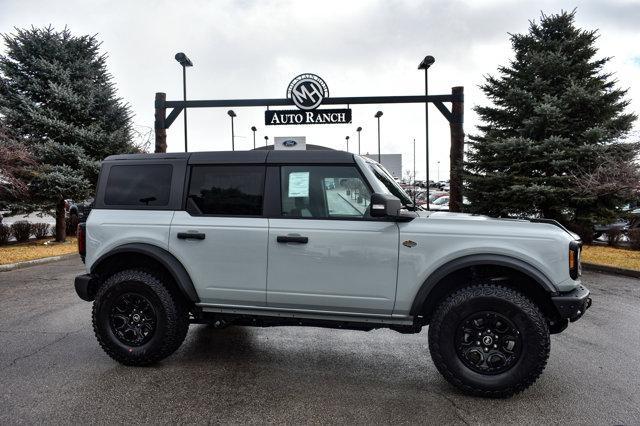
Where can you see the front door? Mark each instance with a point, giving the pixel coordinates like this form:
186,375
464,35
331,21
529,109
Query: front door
325,252
221,238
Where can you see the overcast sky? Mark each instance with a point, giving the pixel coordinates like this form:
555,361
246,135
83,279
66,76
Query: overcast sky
252,49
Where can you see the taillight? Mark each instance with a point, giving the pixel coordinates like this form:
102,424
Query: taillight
81,234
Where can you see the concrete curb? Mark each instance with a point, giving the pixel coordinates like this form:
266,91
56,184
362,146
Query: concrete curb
34,262
611,270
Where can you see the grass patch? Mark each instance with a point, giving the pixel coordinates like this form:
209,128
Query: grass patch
612,256
31,250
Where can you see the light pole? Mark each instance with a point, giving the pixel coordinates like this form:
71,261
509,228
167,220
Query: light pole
414,172
347,139
378,115
266,141
438,171
185,62
253,129
424,65
359,129
232,114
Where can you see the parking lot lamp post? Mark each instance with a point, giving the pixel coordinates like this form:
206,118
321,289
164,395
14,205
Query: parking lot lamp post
232,114
414,172
378,115
185,62
266,141
359,129
347,139
253,129
438,171
424,65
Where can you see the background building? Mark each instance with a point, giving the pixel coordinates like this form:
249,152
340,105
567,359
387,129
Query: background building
392,162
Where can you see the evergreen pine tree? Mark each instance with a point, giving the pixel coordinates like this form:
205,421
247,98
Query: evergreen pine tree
556,116
58,99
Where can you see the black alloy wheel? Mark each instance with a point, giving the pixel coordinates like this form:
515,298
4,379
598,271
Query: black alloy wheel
132,319
488,342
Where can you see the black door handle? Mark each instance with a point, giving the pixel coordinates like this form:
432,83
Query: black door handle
191,236
292,239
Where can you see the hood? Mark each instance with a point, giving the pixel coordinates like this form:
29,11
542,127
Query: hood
481,221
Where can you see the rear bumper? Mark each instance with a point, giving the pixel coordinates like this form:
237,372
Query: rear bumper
84,287
573,304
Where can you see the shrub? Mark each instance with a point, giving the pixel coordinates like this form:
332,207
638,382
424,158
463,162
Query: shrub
634,238
5,234
21,230
40,230
614,236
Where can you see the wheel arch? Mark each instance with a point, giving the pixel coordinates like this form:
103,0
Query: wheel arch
461,271
121,257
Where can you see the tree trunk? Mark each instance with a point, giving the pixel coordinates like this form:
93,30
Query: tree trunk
61,226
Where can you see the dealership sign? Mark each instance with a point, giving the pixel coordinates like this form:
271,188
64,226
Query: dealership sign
307,91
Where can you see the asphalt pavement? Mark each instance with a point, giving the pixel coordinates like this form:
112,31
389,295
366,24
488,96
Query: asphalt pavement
53,371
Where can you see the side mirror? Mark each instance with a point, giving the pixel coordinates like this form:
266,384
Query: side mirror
385,205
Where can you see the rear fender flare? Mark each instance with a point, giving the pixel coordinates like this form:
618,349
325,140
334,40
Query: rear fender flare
173,265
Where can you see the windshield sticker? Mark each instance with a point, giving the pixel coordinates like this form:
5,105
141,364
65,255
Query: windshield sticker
298,184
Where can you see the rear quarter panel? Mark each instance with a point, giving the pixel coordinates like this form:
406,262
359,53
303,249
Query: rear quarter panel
108,229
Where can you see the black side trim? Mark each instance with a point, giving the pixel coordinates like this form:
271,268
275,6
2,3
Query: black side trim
172,264
474,260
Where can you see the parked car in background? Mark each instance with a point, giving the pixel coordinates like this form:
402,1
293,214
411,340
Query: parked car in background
440,203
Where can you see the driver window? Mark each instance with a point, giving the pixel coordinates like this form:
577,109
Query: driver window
323,192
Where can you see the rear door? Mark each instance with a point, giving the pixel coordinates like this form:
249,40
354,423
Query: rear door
221,237
325,252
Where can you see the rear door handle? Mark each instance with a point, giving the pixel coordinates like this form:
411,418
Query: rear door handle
292,239
191,236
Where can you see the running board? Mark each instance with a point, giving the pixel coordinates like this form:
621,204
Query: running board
306,314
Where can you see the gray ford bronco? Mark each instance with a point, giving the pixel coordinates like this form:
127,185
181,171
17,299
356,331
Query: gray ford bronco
321,239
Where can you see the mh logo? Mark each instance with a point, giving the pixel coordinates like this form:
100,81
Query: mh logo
307,91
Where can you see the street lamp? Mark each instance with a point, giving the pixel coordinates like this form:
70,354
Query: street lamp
438,171
359,129
266,141
185,62
347,139
414,172
232,114
253,129
424,65
378,115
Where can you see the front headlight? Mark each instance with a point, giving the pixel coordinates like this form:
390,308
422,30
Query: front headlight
575,268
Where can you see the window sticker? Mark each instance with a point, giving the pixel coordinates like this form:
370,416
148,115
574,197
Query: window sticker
298,184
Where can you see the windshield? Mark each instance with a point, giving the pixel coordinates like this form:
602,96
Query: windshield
390,184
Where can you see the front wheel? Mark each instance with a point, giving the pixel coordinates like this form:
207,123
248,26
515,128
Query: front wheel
489,340
136,318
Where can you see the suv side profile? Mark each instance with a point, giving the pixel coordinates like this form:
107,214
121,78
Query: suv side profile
323,239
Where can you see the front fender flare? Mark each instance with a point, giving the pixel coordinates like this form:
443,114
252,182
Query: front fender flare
173,265
474,260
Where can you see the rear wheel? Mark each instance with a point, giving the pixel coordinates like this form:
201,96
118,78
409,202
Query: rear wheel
136,318
489,340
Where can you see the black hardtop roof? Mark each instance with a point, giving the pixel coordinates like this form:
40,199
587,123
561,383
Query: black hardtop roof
245,157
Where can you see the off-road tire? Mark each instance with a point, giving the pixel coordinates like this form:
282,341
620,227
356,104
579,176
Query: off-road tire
172,318
505,301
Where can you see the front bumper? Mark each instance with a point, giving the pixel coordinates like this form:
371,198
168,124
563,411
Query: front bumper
84,287
573,304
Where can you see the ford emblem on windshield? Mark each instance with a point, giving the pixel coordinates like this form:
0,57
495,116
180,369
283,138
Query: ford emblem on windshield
289,143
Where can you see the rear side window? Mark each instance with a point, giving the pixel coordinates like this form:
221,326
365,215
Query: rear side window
226,190
139,185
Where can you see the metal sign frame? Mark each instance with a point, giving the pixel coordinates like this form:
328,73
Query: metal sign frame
455,117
